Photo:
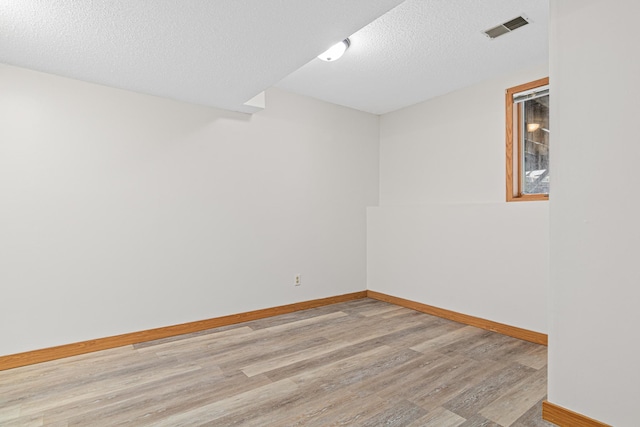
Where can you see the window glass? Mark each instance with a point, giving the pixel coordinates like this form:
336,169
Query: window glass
527,135
535,146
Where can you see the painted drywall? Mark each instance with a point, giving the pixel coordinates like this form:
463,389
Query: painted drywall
454,256
121,212
594,228
450,149
443,234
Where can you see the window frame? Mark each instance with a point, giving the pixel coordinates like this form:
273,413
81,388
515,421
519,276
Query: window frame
513,146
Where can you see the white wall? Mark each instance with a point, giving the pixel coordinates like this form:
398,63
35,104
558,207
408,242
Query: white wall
121,212
443,234
594,210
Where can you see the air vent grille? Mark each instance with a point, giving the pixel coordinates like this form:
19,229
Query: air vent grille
507,27
516,23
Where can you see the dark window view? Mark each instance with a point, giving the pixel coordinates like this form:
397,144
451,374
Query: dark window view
535,146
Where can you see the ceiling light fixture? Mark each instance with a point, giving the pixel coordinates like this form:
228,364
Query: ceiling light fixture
335,51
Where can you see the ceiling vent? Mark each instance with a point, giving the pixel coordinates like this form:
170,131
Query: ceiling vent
507,27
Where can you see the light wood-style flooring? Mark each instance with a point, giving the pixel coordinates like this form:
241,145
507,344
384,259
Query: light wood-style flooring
360,363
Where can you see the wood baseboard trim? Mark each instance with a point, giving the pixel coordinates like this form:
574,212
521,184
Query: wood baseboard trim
512,331
67,350
563,417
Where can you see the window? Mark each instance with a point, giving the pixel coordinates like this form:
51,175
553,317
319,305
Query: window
528,141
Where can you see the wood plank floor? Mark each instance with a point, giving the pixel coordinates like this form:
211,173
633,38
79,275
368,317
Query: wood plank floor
362,363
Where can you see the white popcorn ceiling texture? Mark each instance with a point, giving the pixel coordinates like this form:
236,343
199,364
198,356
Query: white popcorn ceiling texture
221,53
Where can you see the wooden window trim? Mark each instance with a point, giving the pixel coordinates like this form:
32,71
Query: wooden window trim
517,196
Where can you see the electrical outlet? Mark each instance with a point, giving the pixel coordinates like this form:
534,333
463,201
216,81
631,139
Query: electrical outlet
298,280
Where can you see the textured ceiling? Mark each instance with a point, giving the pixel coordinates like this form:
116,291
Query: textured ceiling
213,52
222,53
425,48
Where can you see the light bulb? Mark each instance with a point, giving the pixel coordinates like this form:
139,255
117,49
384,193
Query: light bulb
532,127
335,51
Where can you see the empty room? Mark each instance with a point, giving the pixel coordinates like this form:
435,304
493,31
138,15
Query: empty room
298,213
